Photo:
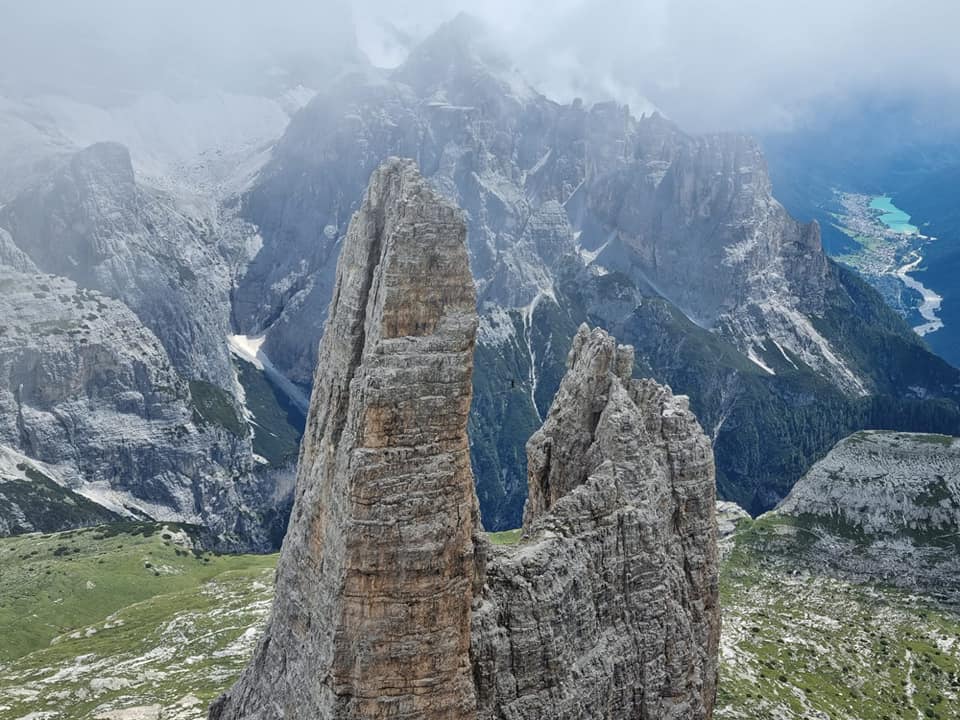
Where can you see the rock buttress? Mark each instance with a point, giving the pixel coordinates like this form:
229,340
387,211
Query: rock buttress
375,579
609,607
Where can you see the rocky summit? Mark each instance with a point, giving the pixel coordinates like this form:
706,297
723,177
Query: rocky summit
609,607
390,604
672,242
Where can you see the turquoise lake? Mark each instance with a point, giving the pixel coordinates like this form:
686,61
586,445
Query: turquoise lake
893,217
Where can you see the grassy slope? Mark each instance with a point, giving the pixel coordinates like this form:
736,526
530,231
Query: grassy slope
149,645
278,423
54,585
506,537
802,645
47,506
795,645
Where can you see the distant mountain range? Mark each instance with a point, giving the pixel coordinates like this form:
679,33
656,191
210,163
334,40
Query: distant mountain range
873,148
673,242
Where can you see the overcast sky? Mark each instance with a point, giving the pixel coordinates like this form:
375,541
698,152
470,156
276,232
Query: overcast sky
721,64
709,64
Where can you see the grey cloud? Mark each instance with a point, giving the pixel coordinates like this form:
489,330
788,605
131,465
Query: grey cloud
739,64
736,64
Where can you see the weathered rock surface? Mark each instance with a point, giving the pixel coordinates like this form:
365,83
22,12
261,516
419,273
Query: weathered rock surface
90,393
13,257
884,483
390,604
92,222
608,608
882,507
144,263
729,515
374,585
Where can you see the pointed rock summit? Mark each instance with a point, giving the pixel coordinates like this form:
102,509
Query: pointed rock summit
374,583
391,604
609,607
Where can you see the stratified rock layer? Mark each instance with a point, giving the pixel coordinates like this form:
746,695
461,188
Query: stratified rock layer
609,608
884,483
389,605
881,507
375,581
91,400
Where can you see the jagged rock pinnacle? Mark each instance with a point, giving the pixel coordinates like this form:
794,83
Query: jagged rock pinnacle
610,608
375,580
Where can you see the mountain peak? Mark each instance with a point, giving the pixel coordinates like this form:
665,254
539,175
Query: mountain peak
104,160
455,54
379,551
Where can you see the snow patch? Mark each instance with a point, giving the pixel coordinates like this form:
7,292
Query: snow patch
541,163
249,349
755,359
784,353
588,256
527,314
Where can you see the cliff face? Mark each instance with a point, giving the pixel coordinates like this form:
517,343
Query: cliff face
374,586
389,602
609,608
92,222
91,395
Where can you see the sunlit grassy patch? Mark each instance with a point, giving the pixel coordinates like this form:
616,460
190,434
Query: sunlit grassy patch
507,537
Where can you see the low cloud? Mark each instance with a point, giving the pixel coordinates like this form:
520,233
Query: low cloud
743,65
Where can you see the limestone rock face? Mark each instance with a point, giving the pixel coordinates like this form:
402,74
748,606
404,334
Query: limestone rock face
91,399
92,222
608,608
880,507
884,483
375,580
729,515
389,602
13,257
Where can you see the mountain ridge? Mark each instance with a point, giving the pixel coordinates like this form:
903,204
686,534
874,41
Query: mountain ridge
568,208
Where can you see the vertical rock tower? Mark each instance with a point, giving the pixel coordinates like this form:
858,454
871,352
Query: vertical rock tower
374,584
609,608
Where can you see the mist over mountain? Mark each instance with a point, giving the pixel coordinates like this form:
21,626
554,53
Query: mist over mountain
110,50
752,65
749,65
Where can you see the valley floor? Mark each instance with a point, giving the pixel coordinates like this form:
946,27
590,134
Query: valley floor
123,627
132,624
888,253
